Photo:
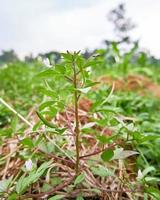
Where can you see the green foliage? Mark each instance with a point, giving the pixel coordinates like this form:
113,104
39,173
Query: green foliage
57,197
25,181
107,155
79,179
132,119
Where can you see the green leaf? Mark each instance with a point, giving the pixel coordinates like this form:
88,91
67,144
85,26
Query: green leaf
60,68
56,180
101,171
46,187
46,104
116,49
109,109
25,182
37,125
149,138
4,184
148,170
57,197
79,179
27,142
152,180
123,154
46,147
14,123
84,90
67,56
21,184
51,112
153,192
107,155
104,139
79,197
46,73
43,167
49,124
90,83
145,172
91,63
49,93
13,196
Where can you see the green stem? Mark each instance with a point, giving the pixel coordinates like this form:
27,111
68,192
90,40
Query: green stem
77,131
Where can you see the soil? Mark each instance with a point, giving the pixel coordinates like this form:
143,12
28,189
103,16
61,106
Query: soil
133,83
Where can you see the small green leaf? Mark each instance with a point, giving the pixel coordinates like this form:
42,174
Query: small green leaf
107,155
79,179
109,109
79,197
116,49
13,196
95,190
101,171
123,154
37,125
152,180
67,56
91,63
104,139
90,83
21,184
49,124
46,73
27,142
153,192
84,90
4,184
46,92
148,170
57,197
46,104
25,182
56,180
60,68
14,123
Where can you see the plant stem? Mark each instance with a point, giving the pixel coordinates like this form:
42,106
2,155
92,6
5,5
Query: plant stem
77,131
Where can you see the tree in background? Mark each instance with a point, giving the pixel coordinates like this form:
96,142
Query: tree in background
53,56
122,24
8,56
29,58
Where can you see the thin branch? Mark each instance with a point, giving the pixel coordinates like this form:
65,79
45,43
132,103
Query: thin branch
15,112
50,192
77,131
69,123
68,78
99,151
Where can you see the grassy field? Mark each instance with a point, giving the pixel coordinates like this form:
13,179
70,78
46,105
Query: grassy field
82,128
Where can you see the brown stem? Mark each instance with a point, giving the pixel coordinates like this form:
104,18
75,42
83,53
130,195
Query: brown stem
50,192
77,131
98,151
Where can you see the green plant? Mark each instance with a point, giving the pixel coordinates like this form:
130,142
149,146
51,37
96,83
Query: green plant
108,149
75,77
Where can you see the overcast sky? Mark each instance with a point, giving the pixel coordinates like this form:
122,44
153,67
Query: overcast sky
44,25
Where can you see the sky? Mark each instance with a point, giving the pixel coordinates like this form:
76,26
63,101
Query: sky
38,26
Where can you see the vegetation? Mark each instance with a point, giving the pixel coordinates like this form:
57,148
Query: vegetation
81,125
81,128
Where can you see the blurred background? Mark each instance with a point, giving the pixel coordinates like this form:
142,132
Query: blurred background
33,27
